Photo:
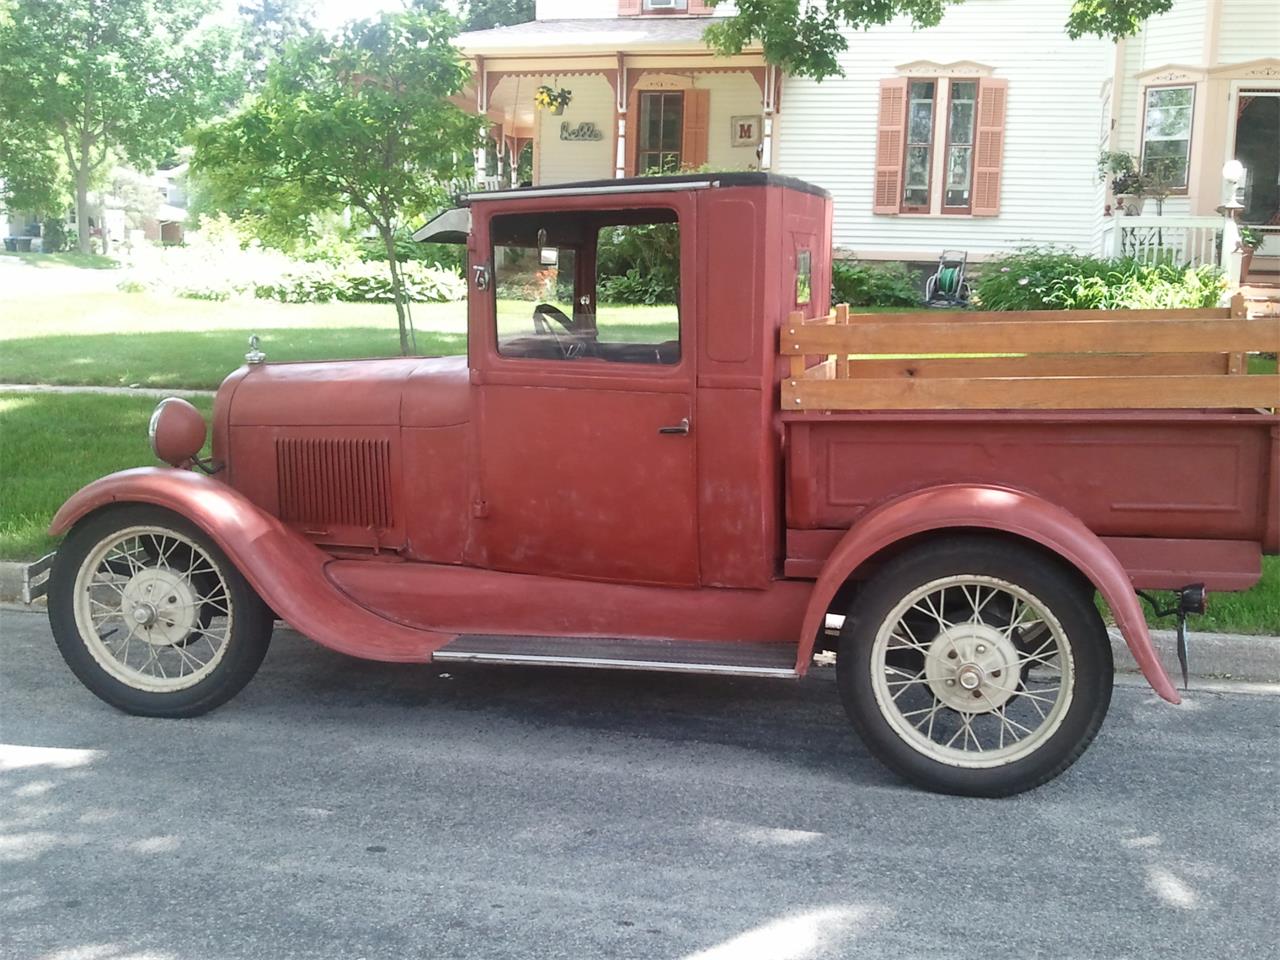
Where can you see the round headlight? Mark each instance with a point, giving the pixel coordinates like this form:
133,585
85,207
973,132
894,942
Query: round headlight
177,432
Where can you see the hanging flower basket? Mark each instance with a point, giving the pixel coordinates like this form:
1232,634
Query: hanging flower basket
554,100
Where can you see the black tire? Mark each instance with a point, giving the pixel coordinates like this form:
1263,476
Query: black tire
1052,583
245,640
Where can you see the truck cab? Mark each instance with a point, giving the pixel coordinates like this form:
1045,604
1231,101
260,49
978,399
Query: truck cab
680,487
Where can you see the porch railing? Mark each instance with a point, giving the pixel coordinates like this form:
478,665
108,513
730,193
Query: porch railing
1189,241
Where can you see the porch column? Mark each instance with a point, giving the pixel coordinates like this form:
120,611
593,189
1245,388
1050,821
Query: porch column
620,118
1232,250
772,84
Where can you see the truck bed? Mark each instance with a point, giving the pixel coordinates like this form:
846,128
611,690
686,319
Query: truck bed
1171,455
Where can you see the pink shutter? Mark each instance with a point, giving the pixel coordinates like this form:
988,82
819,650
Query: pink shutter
699,7
630,8
988,154
891,129
693,140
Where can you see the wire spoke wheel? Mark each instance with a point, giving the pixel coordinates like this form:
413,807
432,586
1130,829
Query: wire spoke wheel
150,614
972,671
153,608
975,665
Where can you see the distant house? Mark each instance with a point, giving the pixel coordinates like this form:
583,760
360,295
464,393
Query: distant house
981,134
167,224
1198,86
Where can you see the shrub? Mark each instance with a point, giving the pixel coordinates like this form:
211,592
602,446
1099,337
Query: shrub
1041,279
360,282
865,285
449,255
639,263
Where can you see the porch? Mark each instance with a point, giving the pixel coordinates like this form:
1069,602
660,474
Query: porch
642,96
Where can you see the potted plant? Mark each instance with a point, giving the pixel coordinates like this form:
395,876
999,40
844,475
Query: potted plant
1128,183
554,100
1250,240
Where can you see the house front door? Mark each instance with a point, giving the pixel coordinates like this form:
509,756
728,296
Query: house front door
1257,146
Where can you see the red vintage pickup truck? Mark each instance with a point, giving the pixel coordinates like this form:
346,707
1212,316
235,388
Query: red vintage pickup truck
700,487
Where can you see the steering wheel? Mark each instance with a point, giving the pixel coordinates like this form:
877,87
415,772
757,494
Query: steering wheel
568,348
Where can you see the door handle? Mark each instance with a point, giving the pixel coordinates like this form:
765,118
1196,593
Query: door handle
680,428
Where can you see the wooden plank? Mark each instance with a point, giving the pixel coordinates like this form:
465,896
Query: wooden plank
1047,365
1049,393
795,320
1043,336
997,316
842,361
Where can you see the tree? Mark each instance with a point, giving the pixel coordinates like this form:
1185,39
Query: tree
806,38
269,26
104,77
484,14
361,122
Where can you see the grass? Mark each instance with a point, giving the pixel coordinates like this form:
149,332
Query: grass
84,261
53,444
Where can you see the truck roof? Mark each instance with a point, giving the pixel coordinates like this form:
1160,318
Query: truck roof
683,181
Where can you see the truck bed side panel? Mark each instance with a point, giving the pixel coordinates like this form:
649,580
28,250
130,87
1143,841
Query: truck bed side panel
1185,476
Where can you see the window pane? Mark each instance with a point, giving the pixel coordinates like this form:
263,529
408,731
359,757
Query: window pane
920,129
524,280
637,317
959,161
963,93
545,313
661,131
804,277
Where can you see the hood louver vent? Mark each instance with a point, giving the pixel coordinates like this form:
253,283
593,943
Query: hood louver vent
343,482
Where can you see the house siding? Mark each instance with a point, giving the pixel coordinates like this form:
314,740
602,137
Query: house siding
563,161
1250,30
827,131
1175,37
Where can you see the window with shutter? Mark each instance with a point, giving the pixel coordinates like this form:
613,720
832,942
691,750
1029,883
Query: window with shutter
988,158
890,133
660,134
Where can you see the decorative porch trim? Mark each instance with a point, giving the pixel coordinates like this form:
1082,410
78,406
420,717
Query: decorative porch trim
931,68
1171,74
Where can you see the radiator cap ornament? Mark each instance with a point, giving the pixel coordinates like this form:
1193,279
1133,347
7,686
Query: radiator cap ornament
254,356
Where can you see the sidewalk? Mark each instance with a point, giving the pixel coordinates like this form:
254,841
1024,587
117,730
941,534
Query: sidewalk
158,392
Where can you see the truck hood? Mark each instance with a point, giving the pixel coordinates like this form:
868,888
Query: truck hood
403,391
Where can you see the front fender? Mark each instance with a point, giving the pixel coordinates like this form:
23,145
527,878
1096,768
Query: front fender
286,569
967,506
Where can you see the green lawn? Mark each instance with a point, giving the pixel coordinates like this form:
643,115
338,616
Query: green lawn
53,444
84,261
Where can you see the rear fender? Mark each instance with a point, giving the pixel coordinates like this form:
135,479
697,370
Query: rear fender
966,506
286,569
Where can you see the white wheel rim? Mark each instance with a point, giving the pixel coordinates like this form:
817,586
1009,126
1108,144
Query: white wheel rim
140,597
972,671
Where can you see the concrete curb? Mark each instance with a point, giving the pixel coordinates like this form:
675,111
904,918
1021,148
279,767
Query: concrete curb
1224,655
157,392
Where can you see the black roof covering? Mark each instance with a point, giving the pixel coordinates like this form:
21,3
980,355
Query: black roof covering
742,178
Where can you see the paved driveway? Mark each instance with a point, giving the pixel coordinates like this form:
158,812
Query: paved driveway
344,809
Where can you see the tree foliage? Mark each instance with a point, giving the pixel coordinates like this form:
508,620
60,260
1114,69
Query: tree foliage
269,26
107,80
484,14
807,38
361,122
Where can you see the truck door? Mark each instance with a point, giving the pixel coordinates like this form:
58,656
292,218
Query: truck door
585,462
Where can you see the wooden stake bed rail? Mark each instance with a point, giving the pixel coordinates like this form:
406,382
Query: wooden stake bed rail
1046,359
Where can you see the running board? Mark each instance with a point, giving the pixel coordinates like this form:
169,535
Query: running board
615,653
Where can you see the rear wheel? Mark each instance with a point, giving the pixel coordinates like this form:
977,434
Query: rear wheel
975,666
151,616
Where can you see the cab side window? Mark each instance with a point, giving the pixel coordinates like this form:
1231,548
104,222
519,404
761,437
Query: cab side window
601,286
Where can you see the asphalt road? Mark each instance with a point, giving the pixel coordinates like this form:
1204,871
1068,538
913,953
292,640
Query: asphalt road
345,809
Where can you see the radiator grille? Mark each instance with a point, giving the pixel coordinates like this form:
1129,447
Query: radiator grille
342,482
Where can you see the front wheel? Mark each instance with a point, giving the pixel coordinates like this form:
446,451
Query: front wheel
975,666
151,616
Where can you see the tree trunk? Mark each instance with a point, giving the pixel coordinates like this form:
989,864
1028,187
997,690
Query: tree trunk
397,289
82,209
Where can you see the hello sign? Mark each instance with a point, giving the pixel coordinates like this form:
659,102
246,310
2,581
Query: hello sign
583,131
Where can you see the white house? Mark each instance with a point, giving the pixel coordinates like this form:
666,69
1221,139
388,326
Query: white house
980,134
1197,87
